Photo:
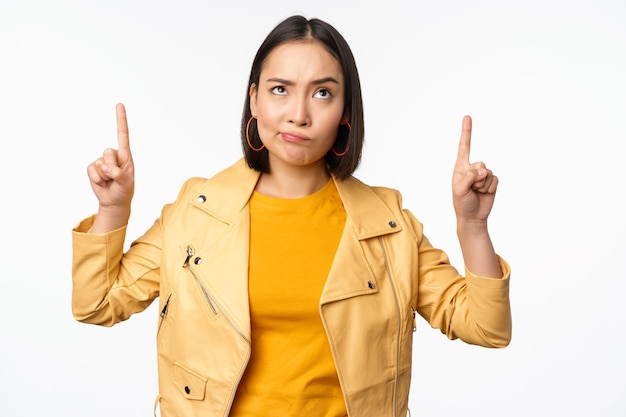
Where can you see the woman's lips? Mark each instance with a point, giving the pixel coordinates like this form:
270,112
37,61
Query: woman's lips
292,137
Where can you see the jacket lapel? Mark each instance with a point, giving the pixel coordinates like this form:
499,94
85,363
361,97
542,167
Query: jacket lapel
354,269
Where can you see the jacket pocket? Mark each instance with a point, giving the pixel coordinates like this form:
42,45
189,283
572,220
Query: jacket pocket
191,384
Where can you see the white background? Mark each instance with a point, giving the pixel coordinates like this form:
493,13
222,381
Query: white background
545,82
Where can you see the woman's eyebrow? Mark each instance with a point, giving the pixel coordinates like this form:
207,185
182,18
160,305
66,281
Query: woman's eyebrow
326,80
288,82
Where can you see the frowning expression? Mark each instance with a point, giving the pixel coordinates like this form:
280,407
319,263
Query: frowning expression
299,103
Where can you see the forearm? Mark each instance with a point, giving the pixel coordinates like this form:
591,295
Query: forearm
95,266
478,252
108,285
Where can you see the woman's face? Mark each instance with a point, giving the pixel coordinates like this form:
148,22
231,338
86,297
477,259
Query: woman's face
298,103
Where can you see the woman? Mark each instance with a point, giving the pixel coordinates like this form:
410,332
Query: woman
286,286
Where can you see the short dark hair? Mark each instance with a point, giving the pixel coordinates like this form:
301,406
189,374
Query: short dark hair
296,28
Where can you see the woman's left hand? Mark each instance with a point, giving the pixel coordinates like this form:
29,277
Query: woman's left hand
473,185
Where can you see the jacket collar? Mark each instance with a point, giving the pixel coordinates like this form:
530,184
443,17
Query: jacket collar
227,194
368,215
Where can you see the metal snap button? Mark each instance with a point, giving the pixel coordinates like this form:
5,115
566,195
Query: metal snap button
201,199
392,223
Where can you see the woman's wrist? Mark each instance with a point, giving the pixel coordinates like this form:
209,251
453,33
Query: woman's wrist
110,218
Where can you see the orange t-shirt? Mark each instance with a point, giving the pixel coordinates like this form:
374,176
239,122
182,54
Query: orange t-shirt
292,246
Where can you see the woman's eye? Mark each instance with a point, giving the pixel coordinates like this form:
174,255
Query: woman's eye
323,93
279,90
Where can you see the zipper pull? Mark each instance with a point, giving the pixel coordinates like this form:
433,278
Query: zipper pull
414,320
167,303
189,255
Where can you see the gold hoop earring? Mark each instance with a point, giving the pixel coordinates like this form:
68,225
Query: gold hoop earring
344,123
248,136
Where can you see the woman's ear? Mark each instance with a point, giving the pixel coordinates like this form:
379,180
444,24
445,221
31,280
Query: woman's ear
253,94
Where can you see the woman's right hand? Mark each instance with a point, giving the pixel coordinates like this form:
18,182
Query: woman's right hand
112,178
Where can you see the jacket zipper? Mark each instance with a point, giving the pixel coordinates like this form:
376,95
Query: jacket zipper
210,300
164,313
212,305
207,297
395,295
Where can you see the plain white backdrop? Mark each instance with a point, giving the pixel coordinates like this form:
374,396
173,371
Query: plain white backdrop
545,82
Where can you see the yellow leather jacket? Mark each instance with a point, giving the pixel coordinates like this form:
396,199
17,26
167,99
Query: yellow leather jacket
195,259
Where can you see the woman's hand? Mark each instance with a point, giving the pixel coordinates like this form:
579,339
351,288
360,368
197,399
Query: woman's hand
112,178
473,192
473,185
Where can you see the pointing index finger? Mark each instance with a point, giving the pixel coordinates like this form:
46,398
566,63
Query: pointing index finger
464,143
122,128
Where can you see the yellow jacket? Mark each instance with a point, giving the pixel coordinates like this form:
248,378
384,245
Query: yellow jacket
195,259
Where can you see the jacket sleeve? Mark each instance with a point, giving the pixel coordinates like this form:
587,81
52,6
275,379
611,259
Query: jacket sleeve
109,286
473,308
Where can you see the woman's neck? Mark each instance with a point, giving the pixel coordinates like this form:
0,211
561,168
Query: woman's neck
287,181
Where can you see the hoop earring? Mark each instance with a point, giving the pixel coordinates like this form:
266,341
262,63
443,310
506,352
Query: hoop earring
248,136
344,123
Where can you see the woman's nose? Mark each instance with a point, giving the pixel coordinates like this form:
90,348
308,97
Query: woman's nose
299,113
